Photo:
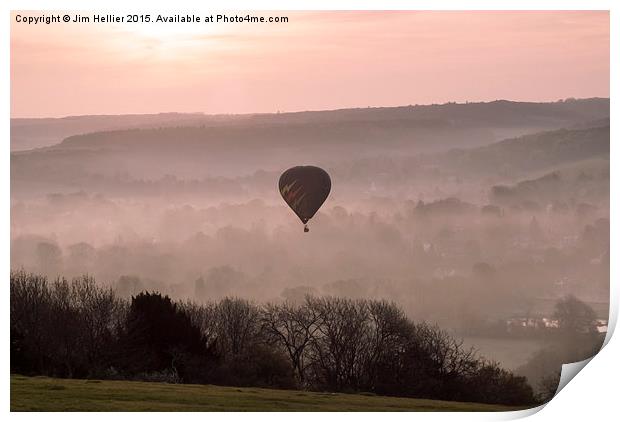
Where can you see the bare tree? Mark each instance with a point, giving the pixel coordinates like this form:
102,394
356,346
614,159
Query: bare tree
30,307
388,334
63,328
293,327
100,313
339,346
236,325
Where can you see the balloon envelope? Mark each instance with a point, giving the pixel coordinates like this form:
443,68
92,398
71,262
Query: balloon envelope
304,189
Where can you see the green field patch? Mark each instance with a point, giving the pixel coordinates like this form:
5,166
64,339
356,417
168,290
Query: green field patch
50,394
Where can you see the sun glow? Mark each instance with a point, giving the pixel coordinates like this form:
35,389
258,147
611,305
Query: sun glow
168,36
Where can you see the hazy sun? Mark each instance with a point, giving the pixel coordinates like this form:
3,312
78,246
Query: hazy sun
170,38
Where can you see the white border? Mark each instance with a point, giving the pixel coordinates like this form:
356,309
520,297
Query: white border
590,395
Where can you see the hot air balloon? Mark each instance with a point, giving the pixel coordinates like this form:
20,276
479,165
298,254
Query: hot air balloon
304,189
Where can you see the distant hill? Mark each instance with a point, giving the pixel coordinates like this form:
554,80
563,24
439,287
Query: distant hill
490,121
586,180
528,156
29,133
533,152
382,154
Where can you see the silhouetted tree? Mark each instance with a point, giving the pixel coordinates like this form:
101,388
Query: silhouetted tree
293,328
80,329
158,336
30,308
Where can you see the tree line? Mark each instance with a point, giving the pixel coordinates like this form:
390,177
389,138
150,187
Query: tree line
79,329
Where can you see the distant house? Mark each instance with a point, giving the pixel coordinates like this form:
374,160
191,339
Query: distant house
601,325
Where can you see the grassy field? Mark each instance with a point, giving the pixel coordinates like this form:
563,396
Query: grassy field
51,394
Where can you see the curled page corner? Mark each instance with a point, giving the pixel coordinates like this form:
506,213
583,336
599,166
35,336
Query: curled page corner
569,370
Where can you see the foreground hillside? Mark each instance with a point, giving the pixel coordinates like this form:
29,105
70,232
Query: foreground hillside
50,394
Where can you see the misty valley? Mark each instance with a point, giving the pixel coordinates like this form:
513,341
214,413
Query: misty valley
487,221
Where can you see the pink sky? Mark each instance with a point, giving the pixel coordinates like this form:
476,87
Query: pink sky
319,60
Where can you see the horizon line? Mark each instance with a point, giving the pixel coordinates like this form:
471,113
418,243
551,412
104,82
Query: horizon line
204,114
